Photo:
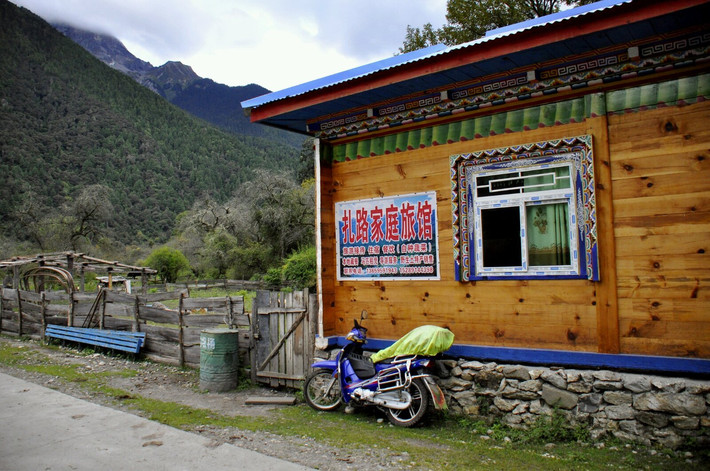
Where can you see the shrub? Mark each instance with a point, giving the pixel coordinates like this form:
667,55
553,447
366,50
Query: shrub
168,262
300,268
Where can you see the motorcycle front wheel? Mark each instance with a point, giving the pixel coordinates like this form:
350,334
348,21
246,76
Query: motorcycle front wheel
413,414
322,390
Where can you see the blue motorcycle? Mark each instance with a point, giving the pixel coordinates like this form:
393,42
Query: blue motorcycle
400,386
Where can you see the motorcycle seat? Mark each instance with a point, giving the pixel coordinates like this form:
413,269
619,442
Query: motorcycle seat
363,366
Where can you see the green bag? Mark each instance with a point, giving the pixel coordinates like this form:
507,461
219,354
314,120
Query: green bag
427,340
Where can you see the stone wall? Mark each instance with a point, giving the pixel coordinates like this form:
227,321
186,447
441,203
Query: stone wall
652,410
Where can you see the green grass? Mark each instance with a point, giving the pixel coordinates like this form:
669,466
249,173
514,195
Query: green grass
447,442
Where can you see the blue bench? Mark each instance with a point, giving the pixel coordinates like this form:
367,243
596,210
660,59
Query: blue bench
113,339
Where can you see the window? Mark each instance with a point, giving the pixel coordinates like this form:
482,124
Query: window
525,215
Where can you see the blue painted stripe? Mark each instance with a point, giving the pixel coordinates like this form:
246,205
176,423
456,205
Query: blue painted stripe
532,356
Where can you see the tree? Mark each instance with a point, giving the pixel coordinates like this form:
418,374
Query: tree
85,216
168,262
470,19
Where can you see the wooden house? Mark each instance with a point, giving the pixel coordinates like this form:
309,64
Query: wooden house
543,191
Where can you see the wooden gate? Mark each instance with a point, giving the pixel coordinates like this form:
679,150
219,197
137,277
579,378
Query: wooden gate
283,331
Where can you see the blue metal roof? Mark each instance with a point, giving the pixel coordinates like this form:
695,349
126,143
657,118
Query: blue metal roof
344,76
296,117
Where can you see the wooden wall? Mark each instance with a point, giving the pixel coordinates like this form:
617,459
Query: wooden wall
661,173
560,314
652,210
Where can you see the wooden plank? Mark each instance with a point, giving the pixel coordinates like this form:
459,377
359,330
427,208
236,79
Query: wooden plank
678,244
30,297
57,296
157,297
213,304
662,185
668,224
691,289
162,316
271,400
665,347
116,297
204,320
652,206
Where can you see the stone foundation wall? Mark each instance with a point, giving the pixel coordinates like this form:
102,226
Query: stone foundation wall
652,410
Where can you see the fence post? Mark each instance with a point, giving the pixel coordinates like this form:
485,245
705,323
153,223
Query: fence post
181,340
19,313
70,316
43,300
136,319
102,319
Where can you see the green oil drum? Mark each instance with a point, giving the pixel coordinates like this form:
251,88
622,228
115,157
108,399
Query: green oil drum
219,359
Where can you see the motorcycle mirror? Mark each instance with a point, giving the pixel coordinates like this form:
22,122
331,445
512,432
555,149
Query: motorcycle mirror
363,315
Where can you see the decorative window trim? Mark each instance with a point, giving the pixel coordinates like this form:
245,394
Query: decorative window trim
575,150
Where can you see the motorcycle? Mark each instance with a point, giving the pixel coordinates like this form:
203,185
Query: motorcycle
400,386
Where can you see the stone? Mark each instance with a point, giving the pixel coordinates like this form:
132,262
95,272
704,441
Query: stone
505,405
448,364
618,398
605,375
465,398
668,438
455,384
521,408
686,423
573,376
535,374
533,385
515,393
630,426
636,383
589,403
622,412
472,365
678,404
467,375
705,421
512,420
608,385
556,397
538,407
698,387
668,385
579,387
654,419
554,378
516,372
488,379
456,371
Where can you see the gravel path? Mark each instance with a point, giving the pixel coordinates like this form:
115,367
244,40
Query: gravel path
164,382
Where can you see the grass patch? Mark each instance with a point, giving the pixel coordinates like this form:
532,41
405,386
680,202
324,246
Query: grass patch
446,443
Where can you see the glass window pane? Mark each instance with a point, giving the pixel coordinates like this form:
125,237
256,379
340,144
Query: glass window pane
501,243
548,234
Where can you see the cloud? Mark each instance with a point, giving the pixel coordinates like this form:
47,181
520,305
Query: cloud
275,43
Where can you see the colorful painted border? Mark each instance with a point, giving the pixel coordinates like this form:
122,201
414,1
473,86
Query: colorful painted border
460,197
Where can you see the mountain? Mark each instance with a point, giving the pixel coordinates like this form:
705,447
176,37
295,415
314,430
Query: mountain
178,83
68,122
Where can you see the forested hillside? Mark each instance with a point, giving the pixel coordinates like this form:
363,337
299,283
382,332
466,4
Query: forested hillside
68,121
176,82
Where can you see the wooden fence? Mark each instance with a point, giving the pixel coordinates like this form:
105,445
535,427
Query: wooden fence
275,343
172,335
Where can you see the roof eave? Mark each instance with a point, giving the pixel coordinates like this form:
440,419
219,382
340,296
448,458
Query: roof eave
476,51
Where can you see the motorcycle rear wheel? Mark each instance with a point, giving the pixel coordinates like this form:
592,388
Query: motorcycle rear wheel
412,415
322,390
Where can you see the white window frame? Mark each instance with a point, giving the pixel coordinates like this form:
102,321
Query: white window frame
522,201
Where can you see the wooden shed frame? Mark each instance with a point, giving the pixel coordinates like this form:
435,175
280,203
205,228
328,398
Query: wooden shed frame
628,83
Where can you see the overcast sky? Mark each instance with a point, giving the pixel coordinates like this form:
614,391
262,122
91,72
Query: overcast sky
275,43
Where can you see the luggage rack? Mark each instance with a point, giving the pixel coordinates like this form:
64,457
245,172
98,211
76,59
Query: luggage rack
396,377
